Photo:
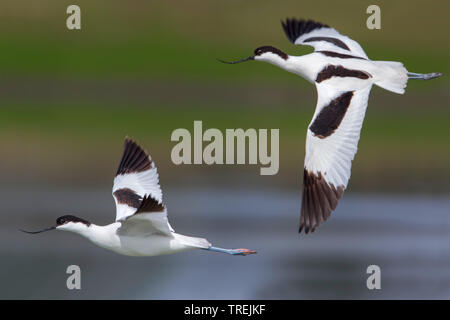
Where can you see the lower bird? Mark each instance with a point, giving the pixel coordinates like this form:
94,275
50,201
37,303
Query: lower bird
343,76
141,227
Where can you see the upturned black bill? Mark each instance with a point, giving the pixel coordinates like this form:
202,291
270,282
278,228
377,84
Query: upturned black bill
34,232
238,61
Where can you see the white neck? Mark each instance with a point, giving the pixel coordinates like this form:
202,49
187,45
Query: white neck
303,66
104,236
300,65
274,59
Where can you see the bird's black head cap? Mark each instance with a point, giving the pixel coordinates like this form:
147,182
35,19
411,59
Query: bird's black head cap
68,218
260,50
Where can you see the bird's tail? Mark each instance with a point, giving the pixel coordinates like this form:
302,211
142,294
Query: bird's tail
192,241
392,76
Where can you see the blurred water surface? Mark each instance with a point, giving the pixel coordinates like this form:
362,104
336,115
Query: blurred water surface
408,237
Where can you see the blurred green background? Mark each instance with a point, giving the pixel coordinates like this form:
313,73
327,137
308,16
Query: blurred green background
145,68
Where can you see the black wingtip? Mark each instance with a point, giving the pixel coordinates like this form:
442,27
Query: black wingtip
294,28
134,158
319,200
150,204
305,229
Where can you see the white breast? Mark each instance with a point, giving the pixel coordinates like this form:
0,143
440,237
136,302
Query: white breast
151,245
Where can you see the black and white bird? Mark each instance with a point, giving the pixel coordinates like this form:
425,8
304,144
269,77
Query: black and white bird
343,76
141,227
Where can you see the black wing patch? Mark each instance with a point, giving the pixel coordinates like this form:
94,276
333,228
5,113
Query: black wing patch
128,197
339,71
149,204
134,159
330,117
319,199
294,28
339,55
334,41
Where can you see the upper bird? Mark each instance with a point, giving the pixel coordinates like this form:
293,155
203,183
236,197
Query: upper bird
141,227
343,75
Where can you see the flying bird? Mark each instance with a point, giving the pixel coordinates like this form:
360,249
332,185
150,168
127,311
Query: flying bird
141,227
343,76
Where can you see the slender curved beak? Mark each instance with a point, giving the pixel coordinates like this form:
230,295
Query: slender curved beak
34,232
238,61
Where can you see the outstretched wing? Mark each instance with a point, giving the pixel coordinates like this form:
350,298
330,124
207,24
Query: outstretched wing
136,191
321,37
331,144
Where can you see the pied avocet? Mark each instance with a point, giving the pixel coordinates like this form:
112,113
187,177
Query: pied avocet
141,227
343,75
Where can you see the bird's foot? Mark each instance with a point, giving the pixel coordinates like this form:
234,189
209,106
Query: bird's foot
424,76
242,252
